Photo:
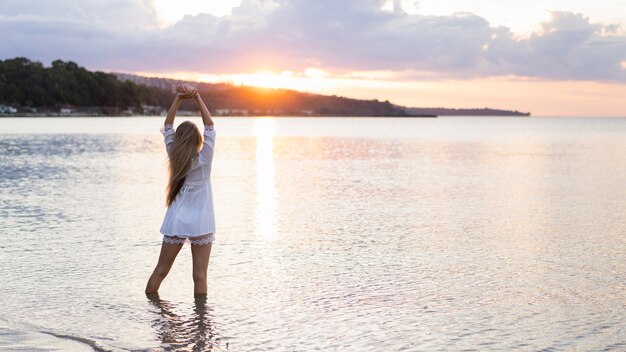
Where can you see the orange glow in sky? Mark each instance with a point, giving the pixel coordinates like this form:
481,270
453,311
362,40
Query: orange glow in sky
540,97
311,79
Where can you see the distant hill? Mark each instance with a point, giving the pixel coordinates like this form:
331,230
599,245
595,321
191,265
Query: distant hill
239,98
464,112
229,99
164,83
65,88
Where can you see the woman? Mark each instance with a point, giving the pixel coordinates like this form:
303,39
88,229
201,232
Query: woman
190,215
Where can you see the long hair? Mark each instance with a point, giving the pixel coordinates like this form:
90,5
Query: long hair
187,142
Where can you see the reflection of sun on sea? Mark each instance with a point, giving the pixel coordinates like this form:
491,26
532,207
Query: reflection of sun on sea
265,189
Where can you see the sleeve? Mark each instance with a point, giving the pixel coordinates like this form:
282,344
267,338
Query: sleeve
168,134
206,153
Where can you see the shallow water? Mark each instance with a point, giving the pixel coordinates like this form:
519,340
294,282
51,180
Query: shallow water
344,234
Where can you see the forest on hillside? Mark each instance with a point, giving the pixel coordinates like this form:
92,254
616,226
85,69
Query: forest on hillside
29,86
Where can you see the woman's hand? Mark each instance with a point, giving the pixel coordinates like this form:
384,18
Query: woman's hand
183,92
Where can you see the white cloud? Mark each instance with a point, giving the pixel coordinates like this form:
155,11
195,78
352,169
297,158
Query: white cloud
566,47
120,14
334,36
171,11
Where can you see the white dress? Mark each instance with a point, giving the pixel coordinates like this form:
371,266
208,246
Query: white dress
192,214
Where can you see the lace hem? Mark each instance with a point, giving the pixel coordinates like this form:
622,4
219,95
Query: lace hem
170,240
202,242
209,127
168,126
181,240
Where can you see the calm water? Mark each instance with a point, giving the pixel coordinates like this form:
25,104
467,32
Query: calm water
333,234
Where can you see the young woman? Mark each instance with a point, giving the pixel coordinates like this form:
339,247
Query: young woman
190,215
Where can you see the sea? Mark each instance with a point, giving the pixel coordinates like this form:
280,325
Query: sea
333,234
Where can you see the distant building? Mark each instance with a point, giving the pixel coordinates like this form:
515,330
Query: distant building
231,112
67,109
5,109
188,113
152,110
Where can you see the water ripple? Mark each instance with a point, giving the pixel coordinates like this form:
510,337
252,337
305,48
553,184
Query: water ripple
439,235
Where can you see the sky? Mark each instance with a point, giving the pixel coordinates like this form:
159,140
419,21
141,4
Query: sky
552,57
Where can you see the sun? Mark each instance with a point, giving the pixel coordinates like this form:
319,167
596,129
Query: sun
265,79
307,80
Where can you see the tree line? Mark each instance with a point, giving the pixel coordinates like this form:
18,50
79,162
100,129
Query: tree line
29,83
26,83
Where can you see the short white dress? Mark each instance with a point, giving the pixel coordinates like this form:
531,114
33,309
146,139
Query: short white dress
191,214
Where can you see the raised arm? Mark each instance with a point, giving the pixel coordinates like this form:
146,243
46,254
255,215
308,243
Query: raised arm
206,153
206,116
171,114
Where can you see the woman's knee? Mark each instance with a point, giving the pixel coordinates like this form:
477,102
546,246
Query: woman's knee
161,271
199,276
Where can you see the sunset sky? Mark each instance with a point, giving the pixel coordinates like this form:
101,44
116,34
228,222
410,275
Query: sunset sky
560,57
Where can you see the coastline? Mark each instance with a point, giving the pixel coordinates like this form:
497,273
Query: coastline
33,115
26,337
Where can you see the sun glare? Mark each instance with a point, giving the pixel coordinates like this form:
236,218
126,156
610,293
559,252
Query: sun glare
308,80
311,79
265,79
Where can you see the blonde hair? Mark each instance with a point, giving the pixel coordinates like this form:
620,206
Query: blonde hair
187,142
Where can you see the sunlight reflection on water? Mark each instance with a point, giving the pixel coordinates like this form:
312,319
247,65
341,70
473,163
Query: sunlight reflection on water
266,216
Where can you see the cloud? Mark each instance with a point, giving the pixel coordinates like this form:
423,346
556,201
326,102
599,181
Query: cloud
338,36
566,47
121,14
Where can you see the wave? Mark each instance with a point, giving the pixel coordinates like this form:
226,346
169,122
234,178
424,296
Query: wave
91,343
14,335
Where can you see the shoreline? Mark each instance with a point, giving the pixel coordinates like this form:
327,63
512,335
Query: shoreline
192,115
19,336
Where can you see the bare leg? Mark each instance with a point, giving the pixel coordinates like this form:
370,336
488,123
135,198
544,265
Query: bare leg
200,254
166,259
